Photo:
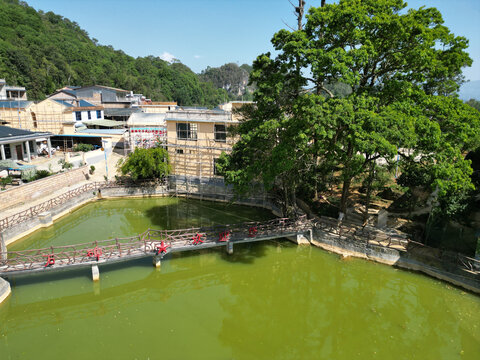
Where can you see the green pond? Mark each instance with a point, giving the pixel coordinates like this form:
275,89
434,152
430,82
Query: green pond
270,300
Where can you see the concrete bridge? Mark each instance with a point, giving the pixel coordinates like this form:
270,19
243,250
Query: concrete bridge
151,243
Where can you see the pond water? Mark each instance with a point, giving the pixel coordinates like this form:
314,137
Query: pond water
270,300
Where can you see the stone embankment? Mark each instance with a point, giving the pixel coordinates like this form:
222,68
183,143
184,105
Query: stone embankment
27,193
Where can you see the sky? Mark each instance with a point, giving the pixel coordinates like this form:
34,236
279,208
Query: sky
203,33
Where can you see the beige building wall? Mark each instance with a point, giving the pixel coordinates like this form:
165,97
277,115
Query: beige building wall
15,118
51,116
158,107
196,157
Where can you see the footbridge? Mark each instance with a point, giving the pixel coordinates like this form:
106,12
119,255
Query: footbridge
151,243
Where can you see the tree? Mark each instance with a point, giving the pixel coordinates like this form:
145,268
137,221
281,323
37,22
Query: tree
44,52
474,103
147,164
403,69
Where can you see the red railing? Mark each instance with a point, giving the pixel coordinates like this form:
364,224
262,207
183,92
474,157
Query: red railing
146,243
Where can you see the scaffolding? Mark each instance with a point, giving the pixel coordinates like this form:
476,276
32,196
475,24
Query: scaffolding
194,150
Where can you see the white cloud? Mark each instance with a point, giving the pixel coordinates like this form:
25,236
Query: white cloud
197,56
167,57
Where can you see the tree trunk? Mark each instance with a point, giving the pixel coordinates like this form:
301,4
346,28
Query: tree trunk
346,183
369,191
345,195
300,10
322,3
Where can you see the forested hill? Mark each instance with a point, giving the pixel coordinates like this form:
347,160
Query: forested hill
45,51
232,78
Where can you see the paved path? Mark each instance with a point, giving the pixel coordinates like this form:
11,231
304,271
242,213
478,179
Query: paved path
95,158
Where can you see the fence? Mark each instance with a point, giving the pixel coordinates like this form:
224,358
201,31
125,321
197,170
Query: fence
34,211
368,237
147,243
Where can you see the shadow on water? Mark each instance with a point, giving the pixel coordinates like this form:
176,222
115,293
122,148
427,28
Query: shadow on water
181,214
70,274
246,253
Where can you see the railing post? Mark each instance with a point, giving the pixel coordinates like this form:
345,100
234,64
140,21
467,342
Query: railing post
3,248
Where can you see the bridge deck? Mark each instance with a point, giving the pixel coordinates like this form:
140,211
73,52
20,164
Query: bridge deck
148,244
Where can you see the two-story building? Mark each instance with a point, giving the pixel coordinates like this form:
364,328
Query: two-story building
8,92
196,138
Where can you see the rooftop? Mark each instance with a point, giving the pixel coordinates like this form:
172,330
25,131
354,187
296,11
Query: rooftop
9,134
15,104
146,119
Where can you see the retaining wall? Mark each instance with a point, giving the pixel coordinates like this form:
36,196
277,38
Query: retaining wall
347,247
5,289
27,192
23,229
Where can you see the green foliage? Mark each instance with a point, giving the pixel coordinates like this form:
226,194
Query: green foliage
92,169
45,51
146,164
383,83
65,164
42,174
28,174
474,103
83,147
4,181
230,77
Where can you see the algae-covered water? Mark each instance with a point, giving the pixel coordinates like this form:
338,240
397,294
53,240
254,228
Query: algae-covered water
270,300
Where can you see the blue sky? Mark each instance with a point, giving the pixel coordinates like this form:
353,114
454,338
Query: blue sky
203,33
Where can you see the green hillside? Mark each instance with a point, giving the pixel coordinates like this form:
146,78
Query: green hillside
45,51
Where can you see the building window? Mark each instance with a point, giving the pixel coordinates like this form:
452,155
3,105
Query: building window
186,131
8,152
215,162
78,115
220,133
99,114
89,115
179,151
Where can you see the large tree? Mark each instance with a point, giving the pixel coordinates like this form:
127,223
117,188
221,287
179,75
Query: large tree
401,67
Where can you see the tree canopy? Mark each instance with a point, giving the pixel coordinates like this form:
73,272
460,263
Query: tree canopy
402,69
146,164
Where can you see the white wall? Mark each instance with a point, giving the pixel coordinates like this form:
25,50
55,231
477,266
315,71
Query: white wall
93,114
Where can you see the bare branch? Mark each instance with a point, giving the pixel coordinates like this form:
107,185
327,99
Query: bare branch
291,28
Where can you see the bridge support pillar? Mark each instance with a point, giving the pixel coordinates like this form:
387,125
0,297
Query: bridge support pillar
157,261
95,273
229,248
45,219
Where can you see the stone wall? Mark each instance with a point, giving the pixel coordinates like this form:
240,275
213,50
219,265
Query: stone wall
402,259
29,192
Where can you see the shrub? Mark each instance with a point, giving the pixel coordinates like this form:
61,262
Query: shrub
5,181
29,174
146,164
42,174
83,147
92,169
65,164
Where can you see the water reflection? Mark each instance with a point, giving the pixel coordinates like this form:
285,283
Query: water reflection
270,300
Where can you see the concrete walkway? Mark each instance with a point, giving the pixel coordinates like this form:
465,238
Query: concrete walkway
96,158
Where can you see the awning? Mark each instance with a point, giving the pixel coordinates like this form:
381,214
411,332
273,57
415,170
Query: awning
14,166
106,123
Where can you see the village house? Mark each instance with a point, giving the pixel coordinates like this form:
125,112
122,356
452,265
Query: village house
20,144
196,138
157,107
145,130
8,92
